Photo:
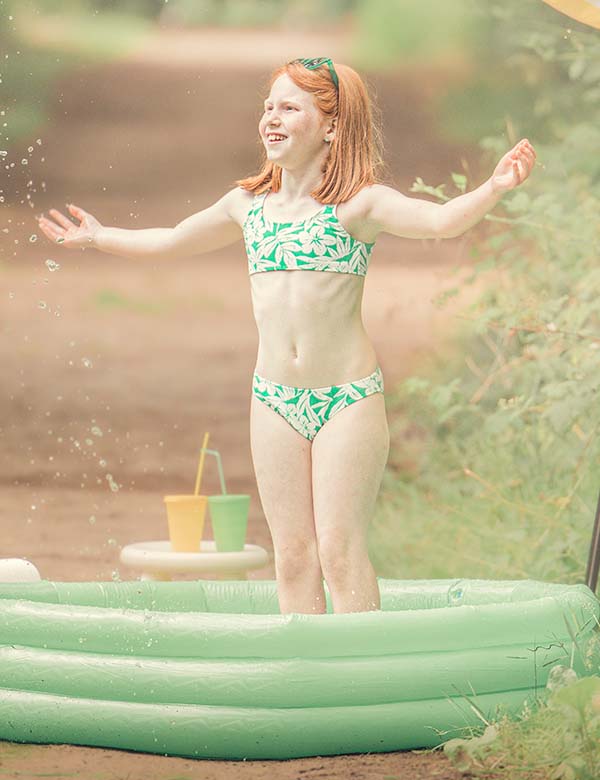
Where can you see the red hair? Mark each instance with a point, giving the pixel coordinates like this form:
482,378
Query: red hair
355,154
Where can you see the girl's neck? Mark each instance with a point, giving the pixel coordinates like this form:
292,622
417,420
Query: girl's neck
296,186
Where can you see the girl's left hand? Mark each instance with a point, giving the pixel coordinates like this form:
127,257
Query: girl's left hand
514,167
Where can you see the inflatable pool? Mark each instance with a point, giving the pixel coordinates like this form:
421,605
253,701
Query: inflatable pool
211,669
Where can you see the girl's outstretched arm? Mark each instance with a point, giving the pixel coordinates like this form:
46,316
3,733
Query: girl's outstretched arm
212,228
392,212
464,211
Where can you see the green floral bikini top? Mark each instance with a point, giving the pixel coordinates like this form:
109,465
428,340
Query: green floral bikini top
319,243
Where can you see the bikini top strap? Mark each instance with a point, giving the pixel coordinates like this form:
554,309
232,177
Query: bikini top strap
259,200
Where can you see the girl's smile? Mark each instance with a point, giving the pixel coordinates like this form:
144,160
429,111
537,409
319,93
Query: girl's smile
290,114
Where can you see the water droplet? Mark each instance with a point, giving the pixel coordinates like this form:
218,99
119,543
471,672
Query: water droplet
3,153
102,463
112,484
52,266
11,295
92,519
87,362
42,304
30,149
96,431
89,442
112,542
24,161
33,238
115,575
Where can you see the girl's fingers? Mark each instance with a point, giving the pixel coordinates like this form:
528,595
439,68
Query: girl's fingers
76,211
524,146
525,159
60,218
43,229
50,229
530,154
528,161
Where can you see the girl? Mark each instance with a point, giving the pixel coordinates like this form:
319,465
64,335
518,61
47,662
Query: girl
318,428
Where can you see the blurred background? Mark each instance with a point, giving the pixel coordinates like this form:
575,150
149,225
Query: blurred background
143,112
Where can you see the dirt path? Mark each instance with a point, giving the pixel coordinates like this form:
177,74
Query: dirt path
152,355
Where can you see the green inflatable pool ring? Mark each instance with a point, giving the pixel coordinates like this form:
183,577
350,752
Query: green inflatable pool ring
211,669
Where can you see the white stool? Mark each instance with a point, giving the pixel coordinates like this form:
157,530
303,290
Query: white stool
18,570
157,561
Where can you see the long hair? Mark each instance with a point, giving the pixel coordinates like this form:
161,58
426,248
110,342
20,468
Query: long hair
355,157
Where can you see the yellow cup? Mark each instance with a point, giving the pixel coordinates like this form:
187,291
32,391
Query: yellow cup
186,521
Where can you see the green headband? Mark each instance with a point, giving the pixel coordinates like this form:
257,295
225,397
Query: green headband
316,62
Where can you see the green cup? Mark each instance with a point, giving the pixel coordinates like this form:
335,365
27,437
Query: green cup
229,518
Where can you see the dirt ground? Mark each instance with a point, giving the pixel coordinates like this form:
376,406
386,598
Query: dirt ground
117,367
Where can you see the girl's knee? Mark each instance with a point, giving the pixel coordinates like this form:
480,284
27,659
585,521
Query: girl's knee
297,561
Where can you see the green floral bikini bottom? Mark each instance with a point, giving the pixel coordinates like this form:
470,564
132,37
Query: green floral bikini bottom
307,409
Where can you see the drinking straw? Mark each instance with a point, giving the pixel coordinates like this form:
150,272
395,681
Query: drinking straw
201,464
220,467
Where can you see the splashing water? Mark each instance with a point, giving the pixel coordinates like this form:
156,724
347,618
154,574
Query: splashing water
112,484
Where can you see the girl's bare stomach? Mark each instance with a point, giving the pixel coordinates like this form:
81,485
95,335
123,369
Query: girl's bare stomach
310,328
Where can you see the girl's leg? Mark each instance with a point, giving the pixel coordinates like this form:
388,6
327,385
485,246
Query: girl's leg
282,464
348,459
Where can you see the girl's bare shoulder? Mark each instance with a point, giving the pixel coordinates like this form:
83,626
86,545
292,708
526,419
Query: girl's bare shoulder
354,214
239,203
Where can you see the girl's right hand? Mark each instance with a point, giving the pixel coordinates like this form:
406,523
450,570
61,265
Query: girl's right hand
66,233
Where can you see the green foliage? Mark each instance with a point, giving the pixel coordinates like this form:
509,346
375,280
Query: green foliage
495,449
256,13
394,32
498,448
142,8
512,71
557,741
